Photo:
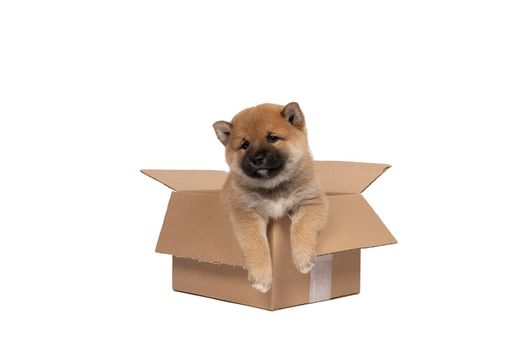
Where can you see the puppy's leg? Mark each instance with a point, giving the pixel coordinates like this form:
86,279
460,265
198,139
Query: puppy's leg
250,230
307,221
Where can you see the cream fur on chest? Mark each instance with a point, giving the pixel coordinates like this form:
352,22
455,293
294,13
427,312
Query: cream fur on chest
279,207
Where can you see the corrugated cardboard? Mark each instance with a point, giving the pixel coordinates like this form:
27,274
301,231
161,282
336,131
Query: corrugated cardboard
208,261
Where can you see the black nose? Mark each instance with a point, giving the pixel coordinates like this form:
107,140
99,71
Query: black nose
258,158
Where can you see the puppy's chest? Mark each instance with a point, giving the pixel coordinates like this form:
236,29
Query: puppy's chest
277,207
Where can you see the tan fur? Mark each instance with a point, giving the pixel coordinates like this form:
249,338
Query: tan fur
294,191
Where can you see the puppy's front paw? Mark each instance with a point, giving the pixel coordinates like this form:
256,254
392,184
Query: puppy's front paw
303,259
260,279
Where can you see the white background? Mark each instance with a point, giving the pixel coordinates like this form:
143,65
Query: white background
93,91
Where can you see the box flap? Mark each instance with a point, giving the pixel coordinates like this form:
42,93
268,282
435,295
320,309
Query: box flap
189,180
347,177
196,226
352,224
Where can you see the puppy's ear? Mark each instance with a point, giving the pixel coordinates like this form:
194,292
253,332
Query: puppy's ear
223,130
293,114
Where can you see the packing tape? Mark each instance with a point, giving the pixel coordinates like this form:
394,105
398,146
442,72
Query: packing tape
321,278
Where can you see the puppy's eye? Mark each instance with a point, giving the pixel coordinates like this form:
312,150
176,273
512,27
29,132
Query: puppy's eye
245,145
272,138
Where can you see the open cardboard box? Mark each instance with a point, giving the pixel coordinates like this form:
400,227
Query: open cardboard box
208,261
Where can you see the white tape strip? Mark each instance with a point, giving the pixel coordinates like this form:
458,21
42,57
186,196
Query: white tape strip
321,278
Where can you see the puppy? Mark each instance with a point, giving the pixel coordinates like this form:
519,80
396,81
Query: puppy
271,175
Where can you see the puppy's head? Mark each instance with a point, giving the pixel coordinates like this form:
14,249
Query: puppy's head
265,145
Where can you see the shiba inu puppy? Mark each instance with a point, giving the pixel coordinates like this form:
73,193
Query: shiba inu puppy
271,175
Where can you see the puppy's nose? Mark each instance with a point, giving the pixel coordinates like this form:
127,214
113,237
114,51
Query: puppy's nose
258,158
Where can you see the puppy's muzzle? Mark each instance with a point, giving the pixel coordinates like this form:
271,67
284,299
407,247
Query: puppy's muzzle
263,163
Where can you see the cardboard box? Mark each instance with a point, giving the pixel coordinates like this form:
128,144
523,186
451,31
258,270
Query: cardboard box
208,261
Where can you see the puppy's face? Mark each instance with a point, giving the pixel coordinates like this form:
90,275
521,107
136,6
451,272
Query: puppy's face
264,144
